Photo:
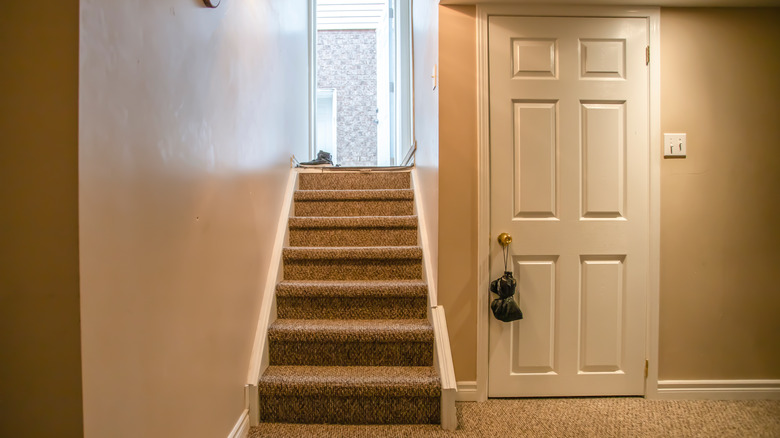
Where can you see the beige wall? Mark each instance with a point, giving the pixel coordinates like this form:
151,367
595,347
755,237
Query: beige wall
458,183
719,239
40,369
188,118
426,116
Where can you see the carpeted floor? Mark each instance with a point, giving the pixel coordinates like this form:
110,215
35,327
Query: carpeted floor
577,417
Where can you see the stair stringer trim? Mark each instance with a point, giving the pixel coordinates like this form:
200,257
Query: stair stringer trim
442,357
422,230
259,358
442,360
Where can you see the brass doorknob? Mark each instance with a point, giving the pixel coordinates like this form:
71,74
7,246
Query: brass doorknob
504,239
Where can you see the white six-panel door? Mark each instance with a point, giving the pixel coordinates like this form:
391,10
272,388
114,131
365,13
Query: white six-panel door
569,166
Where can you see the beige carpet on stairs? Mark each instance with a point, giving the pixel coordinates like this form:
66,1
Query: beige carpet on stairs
351,343
574,417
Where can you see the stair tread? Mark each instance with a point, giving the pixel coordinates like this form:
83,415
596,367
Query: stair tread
296,222
354,195
352,288
351,252
351,330
341,370
376,381
356,179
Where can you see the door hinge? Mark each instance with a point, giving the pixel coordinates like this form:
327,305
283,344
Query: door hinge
647,367
647,55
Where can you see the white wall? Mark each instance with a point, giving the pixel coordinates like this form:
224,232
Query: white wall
425,28
187,119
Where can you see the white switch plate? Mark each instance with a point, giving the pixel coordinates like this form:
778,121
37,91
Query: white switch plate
674,145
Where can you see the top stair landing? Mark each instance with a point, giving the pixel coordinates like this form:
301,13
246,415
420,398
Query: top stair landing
339,180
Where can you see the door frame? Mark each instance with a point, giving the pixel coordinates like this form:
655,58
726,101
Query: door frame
403,76
653,17
311,20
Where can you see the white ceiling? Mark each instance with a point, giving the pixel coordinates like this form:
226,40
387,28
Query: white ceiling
670,3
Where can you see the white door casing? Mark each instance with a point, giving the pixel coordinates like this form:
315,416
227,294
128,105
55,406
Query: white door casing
569,179
395,35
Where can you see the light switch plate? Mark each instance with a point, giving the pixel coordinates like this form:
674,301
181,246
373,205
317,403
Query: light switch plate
675,145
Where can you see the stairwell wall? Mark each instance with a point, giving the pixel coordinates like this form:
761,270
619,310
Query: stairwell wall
188,118
458,179
426,102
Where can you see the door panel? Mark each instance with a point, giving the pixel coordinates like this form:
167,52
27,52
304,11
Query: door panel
533,58
603,166
534,143
535,353
601,314
603,58
569,180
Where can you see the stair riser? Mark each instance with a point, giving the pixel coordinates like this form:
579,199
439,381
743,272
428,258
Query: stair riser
353,237
354,181
351,353
351,307
350,410
354,208
400,269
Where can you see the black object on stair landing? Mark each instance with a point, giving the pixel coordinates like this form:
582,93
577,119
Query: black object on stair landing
323,158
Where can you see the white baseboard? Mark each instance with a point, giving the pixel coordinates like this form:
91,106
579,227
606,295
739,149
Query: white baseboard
467,391
241,429
719,389
682,390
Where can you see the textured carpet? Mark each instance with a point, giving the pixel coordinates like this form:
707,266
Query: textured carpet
351,343
368,180
353,231
373,202
352,263
394,299
578,417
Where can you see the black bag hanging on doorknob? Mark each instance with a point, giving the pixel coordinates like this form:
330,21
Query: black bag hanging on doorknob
504,307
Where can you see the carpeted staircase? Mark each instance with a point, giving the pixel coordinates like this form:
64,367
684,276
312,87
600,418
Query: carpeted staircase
351,343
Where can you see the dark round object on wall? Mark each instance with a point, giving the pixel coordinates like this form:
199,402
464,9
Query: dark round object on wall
212,3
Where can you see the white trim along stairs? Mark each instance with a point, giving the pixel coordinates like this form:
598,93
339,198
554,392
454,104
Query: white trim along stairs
350,331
